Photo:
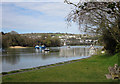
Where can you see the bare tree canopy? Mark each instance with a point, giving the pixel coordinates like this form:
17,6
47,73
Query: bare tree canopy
97,17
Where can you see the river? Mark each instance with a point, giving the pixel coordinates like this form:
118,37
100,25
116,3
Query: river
22,58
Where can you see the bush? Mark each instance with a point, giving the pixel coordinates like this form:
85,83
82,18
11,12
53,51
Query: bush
118,48
109,42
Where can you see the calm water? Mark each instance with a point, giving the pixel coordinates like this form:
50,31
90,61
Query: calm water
14,59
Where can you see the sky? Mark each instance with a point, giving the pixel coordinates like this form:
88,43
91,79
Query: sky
36,17
58,0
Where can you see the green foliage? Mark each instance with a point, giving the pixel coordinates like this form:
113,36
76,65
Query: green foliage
118,48
18,40
108,41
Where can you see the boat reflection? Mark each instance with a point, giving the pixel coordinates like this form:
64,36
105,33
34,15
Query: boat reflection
41,51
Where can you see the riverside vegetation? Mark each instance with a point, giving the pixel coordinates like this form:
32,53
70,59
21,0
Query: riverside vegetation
18,40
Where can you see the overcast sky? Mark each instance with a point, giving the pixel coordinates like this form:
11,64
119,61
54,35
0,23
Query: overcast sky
36,17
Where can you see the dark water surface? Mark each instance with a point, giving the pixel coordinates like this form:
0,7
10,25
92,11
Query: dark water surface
14,59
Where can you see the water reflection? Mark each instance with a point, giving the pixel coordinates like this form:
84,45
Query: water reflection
0,64
13,59
41,51
72,52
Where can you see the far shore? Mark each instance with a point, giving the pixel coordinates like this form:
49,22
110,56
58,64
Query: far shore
18,47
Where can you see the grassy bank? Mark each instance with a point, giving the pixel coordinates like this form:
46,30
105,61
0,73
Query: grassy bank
87,70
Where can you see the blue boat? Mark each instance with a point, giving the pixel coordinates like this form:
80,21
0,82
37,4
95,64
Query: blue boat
40,47
36,47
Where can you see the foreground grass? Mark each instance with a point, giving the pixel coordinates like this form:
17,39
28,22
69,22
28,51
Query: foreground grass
87,70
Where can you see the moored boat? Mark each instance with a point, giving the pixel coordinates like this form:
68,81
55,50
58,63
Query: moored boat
36,47
42,47
46,49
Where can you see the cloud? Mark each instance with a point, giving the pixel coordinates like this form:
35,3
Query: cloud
36,17
51,9
59,0
38,0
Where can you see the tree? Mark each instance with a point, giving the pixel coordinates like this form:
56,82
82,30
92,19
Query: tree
97,17
13,32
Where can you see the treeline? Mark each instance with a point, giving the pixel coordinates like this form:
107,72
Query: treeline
18,40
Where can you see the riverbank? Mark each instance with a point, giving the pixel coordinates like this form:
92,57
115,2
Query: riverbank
92,69
41,67
17,47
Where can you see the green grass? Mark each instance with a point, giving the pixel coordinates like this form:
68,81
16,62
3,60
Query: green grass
92,69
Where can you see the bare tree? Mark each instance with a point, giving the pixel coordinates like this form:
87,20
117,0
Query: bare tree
97,17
